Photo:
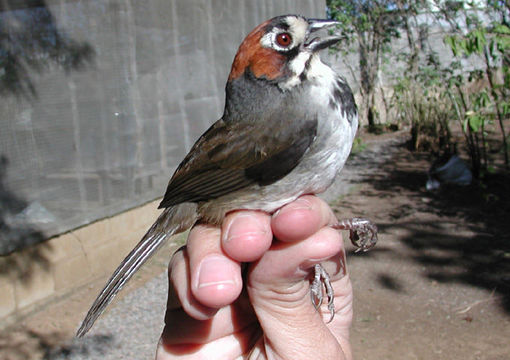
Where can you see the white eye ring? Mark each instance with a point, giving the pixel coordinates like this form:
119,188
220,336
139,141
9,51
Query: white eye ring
272,40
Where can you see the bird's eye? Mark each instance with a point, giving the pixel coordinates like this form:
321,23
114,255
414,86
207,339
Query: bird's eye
284,39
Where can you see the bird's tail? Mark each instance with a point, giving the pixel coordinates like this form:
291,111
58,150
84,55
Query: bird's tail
172,221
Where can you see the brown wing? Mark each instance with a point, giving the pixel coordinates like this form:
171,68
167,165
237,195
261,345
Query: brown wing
231,156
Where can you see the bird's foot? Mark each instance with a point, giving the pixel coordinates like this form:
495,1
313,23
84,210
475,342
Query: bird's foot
322,277
363,235
362,232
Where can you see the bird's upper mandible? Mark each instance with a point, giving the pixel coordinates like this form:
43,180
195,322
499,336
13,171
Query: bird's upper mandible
280,48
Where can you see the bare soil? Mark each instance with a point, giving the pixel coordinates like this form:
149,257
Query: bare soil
437,285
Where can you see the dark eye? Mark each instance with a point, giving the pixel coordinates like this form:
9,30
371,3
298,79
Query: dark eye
284,39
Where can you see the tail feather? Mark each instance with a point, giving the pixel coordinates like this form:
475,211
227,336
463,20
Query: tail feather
172,221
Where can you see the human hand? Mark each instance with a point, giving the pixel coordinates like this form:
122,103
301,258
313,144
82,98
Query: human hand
210,315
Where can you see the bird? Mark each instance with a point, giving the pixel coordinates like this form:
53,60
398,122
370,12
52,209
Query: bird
287,128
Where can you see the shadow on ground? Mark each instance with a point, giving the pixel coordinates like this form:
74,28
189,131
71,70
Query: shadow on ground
92,347
467,238
28,344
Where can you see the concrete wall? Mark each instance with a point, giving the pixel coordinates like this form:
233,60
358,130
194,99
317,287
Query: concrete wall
36,274
99,123
107,99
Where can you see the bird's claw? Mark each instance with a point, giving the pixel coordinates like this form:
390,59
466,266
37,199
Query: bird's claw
363,235
322,277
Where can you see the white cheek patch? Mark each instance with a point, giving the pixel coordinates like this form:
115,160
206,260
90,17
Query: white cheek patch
297,67
316,71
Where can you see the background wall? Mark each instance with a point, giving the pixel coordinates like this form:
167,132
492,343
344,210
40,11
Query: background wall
100,100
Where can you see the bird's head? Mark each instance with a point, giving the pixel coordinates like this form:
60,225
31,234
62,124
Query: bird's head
281,49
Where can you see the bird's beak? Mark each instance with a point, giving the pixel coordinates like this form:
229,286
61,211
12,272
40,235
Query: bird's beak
319,43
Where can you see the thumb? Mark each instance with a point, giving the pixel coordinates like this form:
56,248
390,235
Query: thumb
279,288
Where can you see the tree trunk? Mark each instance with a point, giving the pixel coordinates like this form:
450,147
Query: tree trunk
368,81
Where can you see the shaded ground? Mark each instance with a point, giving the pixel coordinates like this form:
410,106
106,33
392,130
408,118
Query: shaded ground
437,286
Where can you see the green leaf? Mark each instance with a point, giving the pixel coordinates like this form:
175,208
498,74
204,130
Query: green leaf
483,99
451,41
502,43
475,122
466,46
506,108
501,29
479,40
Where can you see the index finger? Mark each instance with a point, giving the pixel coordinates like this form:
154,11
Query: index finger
301,218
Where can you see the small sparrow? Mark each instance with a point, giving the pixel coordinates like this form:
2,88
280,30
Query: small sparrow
287,129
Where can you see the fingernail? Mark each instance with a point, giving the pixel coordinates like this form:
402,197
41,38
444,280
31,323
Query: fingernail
216,271
244,225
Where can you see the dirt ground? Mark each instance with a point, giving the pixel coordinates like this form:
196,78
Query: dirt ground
437,285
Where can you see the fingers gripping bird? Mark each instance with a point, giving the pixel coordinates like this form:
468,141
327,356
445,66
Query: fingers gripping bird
287,129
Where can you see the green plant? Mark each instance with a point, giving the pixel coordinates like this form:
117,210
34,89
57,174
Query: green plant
421,104
368,27
489,42
358,146
473,88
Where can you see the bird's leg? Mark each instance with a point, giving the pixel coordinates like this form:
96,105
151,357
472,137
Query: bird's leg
363,235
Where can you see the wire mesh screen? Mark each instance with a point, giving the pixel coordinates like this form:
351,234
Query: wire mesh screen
100,100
